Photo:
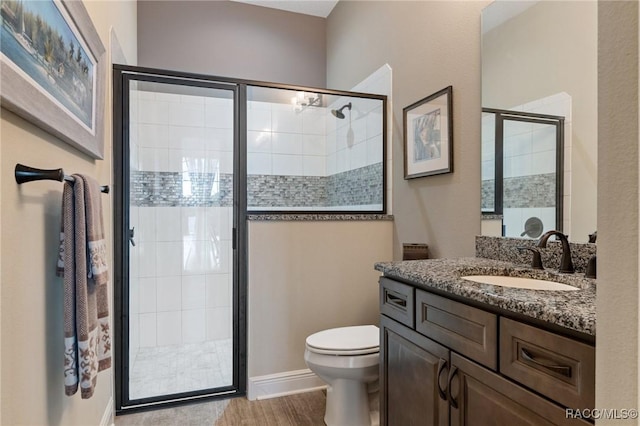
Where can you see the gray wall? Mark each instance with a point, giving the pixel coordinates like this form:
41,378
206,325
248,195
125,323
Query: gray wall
429,45
618,158
230,39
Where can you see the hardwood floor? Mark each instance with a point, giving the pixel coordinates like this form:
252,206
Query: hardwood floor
304,409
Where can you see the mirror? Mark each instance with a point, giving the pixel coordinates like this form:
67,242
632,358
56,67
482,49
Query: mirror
540,58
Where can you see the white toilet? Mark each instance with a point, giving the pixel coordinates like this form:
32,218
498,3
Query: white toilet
347,359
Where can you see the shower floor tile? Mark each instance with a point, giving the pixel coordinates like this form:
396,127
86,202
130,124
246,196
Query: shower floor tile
181,368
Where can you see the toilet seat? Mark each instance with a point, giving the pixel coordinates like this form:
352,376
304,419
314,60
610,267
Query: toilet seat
345,341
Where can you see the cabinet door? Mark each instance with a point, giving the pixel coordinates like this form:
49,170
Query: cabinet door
413,372
480,397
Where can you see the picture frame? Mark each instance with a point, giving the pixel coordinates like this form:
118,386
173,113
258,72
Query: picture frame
428,135
53,71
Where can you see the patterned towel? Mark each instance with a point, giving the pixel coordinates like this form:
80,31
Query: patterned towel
82,263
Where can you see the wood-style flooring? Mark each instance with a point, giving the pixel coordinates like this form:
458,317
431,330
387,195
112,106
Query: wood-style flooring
304,409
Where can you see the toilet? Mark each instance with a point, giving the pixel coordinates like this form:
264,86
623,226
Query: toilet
347,359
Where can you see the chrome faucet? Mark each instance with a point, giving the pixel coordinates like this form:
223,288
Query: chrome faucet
566,265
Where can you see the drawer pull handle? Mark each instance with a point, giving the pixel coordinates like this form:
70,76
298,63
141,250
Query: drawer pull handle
442,364
549,365
452,400
395,300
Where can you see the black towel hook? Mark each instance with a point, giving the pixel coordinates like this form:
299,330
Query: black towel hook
26,174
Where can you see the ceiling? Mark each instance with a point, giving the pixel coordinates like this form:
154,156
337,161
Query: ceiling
321,8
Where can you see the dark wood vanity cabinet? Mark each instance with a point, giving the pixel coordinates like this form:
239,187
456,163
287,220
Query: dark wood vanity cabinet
415,371
439,365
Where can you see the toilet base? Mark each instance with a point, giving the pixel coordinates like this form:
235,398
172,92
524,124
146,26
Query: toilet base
348,404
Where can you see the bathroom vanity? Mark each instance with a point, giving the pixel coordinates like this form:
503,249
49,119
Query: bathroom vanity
459,352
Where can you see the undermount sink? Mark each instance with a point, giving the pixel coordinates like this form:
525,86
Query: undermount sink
519,282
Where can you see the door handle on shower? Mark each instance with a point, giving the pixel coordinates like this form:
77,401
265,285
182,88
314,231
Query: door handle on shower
132,233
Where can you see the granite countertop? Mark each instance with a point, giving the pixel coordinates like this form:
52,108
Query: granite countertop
575,310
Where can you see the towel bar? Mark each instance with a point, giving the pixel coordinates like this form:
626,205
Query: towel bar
28,174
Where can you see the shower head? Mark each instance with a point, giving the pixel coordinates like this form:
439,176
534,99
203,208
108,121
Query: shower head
338,112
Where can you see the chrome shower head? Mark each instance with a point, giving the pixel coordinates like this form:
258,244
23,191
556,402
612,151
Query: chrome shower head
338,112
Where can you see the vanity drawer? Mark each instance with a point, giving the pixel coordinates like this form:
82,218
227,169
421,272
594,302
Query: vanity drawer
469,331
555,366
397,301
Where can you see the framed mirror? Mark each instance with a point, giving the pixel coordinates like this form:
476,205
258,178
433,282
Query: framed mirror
539,96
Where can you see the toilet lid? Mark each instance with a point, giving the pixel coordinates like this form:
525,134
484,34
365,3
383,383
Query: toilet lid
357,340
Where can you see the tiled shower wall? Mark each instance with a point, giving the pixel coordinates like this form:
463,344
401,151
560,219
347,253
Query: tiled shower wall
529,166
181,154
303,159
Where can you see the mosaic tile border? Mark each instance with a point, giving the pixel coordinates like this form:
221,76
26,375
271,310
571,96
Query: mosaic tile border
165,189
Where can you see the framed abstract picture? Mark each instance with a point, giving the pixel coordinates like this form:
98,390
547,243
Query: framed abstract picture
428,135
52,66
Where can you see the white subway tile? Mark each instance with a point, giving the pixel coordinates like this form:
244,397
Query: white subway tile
287,165
193,292
153,159
169,256
342,160
259,119
358,157
193,326
314,121
331,164
218,323
543,162
286,143
168,221
169,328
313,165
220,117
134,295
153,135
187,137
169,293
515,145
218,223
285,120
359,128
194,225
218,290
147,301
186,115
259,164
146,253
258,141
145,229
374,150
148,330
192,99
314,145
374,122
215,256
219,139
153,112
193,257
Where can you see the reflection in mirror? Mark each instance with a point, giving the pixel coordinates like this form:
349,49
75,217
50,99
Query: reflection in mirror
540,58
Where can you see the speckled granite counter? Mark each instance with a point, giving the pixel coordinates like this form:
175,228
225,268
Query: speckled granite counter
574,310
317,217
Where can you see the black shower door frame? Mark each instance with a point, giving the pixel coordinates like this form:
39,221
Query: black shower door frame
122,77
502,115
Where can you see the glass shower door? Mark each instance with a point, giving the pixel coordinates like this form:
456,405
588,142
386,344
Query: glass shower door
180,317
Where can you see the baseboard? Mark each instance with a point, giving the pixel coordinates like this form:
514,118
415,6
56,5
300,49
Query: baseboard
281,384
107,417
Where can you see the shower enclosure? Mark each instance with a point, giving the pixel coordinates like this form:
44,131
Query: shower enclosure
193,156
522,170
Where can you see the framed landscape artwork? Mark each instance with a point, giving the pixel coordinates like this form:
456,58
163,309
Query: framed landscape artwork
52,70
428,135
